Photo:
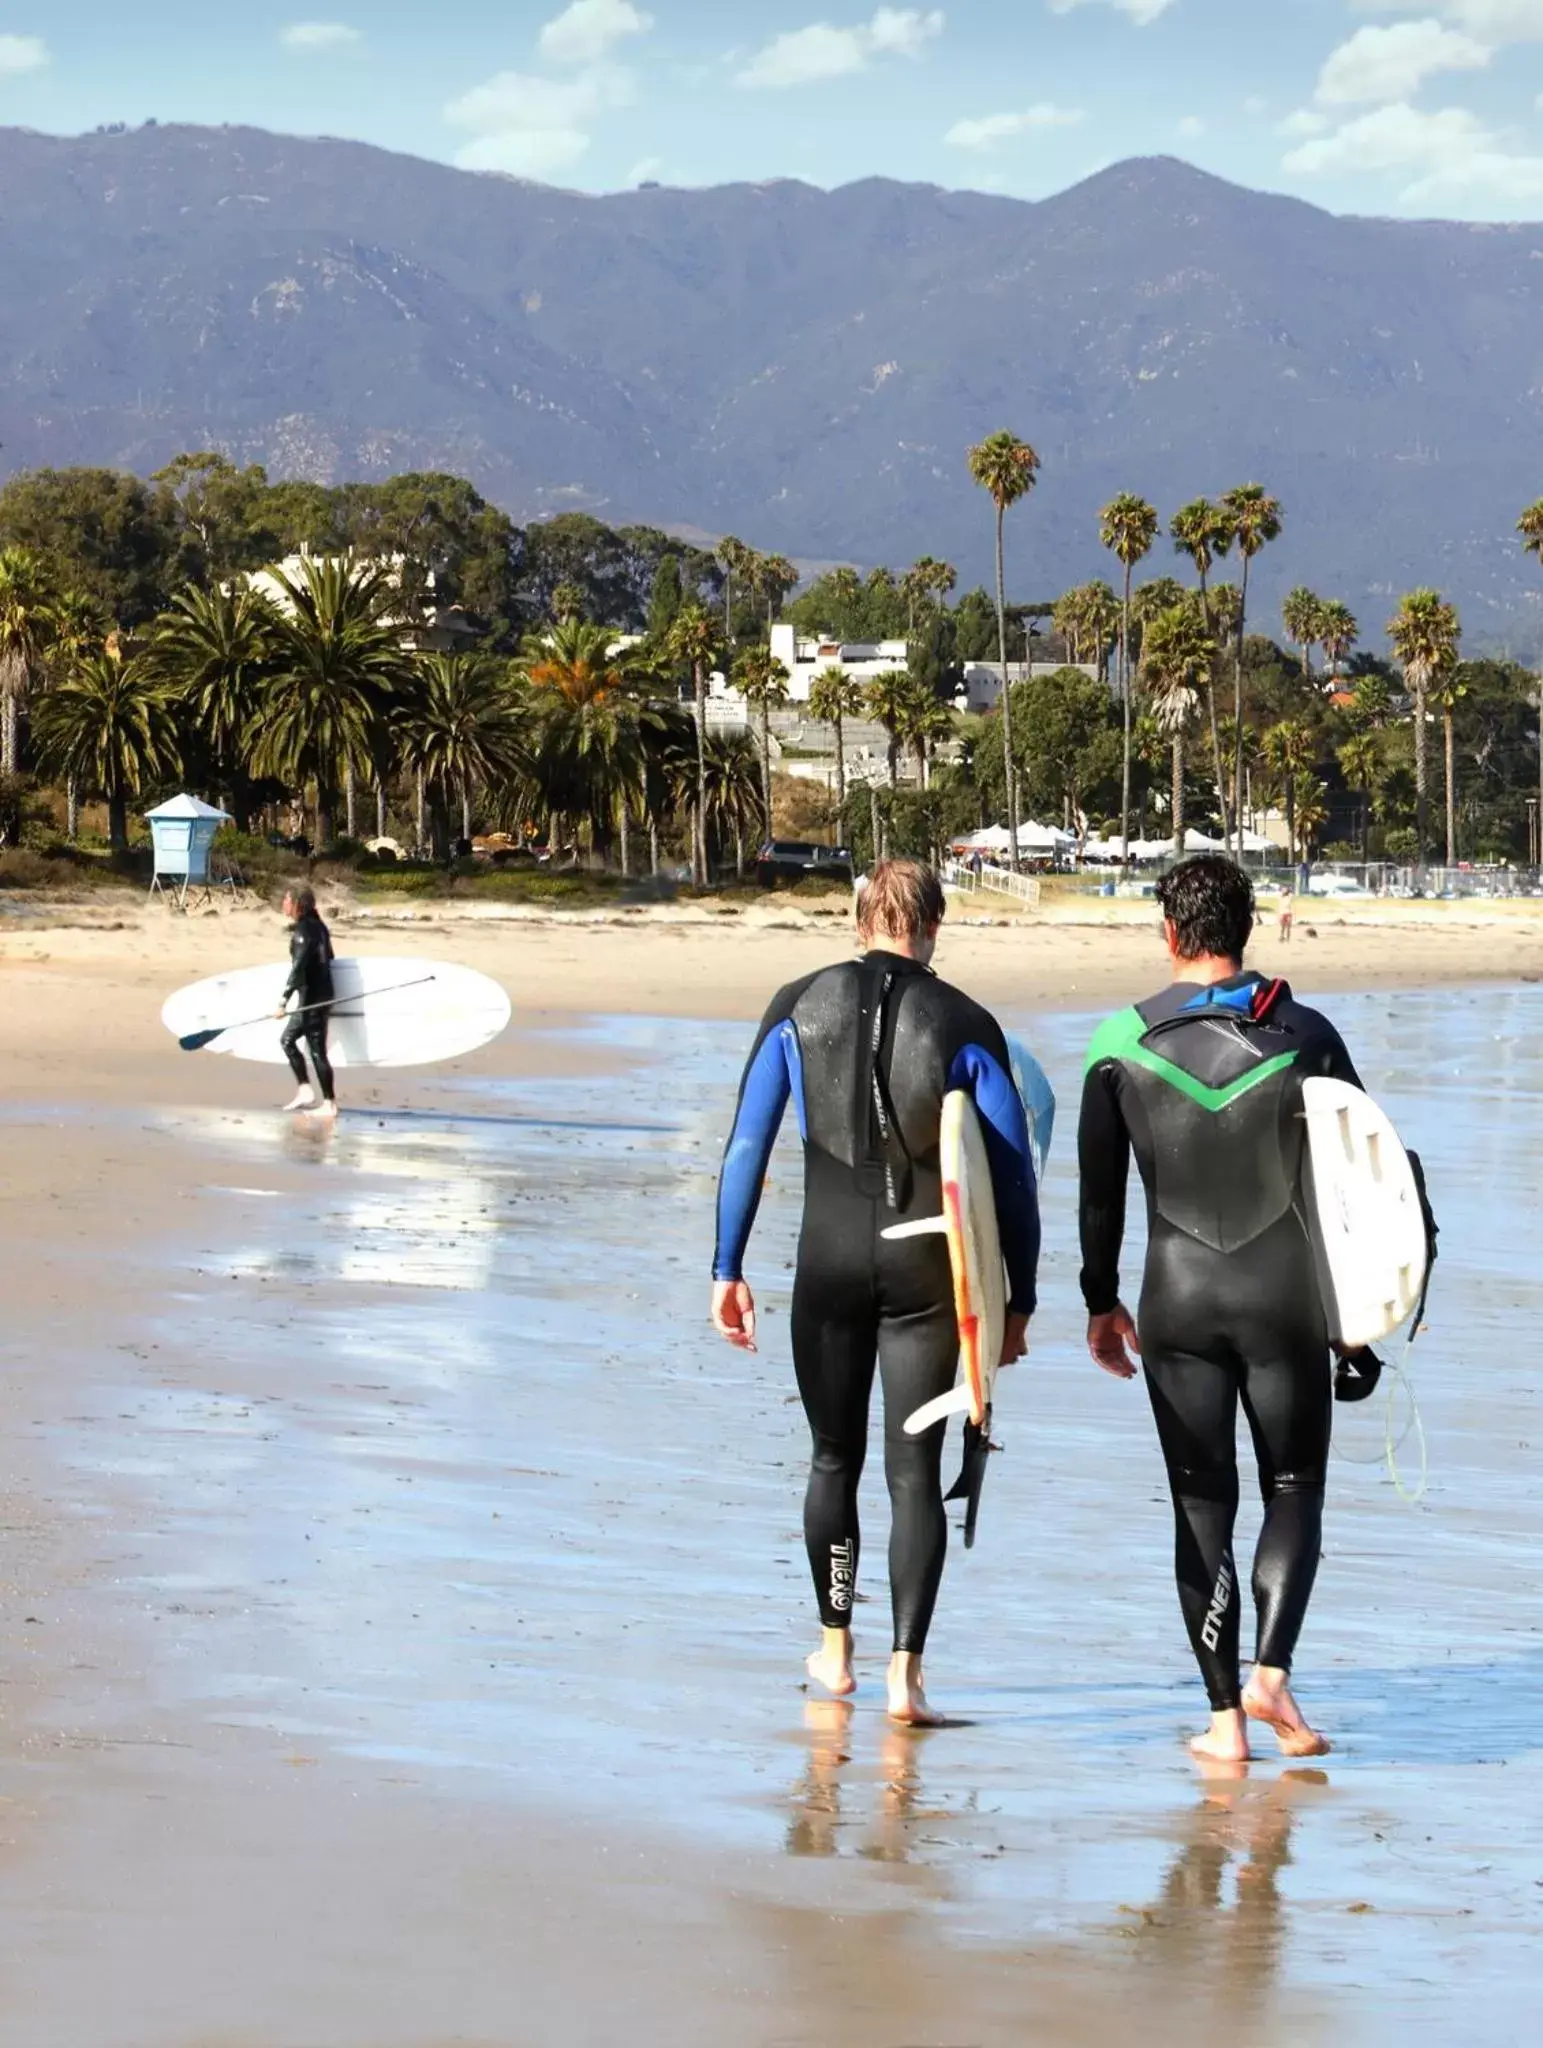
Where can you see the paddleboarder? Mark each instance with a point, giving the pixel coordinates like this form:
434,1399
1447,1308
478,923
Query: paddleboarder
310,986
1203,1084
867,1050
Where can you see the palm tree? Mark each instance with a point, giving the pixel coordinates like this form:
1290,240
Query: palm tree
589,750
1360,760
1338,633
1289,755
924,721
568,601
775,576
736,559
1447,690
1424,632
109,726
1255,518
338,670
74,631
1176,657
1007,469
834,697
733,793
691,645
1530,527
26,619
211,650
1204,532
465,726
1128,528
1310,799
927,581
763,682
1302,616
888,702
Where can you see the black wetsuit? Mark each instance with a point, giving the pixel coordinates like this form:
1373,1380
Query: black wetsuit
868,1050
310,983
1204,1084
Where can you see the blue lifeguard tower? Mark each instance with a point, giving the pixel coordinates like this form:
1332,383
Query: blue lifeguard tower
182,833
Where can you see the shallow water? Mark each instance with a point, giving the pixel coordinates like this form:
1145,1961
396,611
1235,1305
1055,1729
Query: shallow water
530,1522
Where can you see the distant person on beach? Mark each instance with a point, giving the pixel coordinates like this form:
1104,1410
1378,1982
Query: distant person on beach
310,985
868,1049
1288,904
1203,1084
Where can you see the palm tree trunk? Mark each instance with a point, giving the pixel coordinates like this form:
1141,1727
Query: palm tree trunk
71,808
1421,804
350,803
8,733
728,607
626,839
699,850
841,778
324,816
894,764
380,809
117,822
1126,743
1291,822
739,849
873,822
1216,758
421,818
1178,796
1451,773
653,844
766,765
1237,703
1009,768
465,810
1366,828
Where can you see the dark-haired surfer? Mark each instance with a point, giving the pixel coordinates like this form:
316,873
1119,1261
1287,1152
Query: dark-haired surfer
310,984
1203,1083
867,1050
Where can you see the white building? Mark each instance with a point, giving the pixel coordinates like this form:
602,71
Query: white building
804,656
441,629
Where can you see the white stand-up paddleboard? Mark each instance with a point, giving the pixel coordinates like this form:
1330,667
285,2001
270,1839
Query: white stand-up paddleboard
1368,1227
390,1013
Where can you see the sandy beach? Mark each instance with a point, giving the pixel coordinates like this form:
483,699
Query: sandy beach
403,1598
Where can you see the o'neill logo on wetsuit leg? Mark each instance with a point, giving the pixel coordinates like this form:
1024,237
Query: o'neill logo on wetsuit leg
1221,1600
843,1576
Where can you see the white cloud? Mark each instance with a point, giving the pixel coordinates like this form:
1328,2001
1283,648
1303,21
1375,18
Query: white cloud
1495,22
809,56
589,29
21,53
1449,157
318,35
985,131
1305,121
1379,65
1254,106
1141,12
1191,126
533,127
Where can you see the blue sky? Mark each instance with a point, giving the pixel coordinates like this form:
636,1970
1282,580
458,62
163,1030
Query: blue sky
1360,105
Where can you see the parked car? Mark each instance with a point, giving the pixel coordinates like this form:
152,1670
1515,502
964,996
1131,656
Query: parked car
782,861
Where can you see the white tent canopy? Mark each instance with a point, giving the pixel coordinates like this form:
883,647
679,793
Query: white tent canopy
1159,849
187,807
1032,838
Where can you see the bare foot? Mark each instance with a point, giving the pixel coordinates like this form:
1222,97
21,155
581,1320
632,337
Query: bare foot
1225,1741
325,1113
302,1099
830,1666
907,1698
1267,1697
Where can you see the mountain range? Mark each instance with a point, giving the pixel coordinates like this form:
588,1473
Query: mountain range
801,367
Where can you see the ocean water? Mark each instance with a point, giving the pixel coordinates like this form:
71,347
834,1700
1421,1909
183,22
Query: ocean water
450,1471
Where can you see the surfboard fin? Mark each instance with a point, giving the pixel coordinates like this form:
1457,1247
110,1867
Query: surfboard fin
955,1402
929,1226
972,1474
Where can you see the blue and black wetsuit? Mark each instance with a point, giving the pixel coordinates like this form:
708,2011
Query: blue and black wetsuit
867,1050
310,983
1204,1085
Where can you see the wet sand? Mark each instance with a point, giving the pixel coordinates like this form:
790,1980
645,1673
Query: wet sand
404,1597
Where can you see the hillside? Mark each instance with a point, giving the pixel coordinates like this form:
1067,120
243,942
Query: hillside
804,368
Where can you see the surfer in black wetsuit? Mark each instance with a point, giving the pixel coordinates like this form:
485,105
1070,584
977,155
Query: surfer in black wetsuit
867,1050
310,984
1203,1083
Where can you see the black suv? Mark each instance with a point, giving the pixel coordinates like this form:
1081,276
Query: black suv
793,860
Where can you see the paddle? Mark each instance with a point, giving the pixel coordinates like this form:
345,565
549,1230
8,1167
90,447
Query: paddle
197,1040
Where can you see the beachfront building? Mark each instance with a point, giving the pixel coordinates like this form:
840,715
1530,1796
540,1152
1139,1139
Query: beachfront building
805,655
437,629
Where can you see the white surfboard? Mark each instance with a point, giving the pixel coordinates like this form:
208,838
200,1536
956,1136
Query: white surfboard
391,1012
1368,1228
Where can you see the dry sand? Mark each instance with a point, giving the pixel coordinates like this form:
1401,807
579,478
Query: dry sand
178,1874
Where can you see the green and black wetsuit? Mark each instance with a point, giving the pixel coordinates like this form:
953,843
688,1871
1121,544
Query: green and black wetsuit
1204,1085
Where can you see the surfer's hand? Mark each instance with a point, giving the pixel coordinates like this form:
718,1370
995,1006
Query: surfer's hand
734,1313
1015,1339
1113,1342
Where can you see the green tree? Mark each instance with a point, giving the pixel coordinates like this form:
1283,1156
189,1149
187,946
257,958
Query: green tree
1177,654
337,673
1007,470
665,599
775,579
1255,519
26,625
834,697
1425,632
1128,528
763,683
1338,632
1289,756
1302,616
100,532
211,650
888,700
589,750
691,645
1360,762
463,726
733,793
1204,532
737,560
109,727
